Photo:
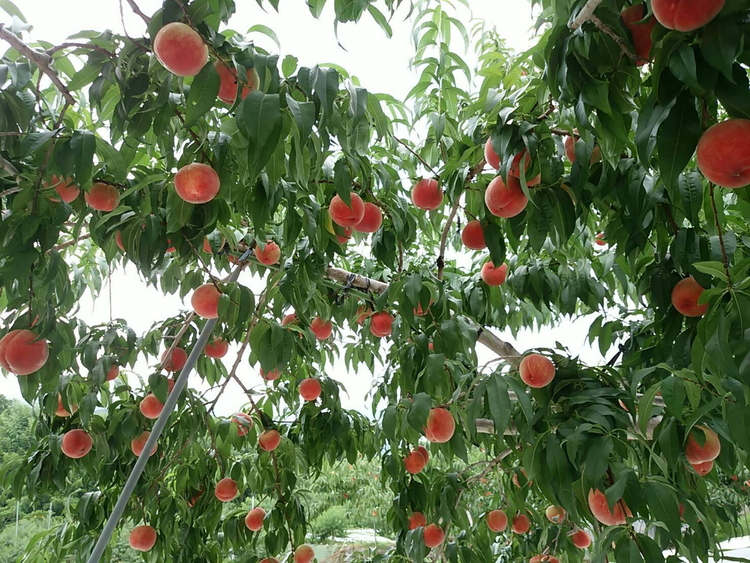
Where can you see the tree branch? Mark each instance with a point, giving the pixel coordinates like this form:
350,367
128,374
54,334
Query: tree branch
605,29
585,14
138,12
419,158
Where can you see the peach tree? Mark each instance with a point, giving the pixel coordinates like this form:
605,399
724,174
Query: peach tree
602,172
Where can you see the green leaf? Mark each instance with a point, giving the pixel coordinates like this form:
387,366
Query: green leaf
202,94
495,240
499,403
85,76
267,31
691,195
261,121
82,147
713,269
720,44
418,411
289,65
677,138
178,212
12,9
662,502
303,114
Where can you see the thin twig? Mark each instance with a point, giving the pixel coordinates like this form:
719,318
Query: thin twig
724,258
138,12
66,244
419,158
605,29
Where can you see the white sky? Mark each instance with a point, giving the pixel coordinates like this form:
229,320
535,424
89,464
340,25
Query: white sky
380,64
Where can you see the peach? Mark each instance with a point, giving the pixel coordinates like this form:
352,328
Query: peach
197,183
345,236
118,241
419,311
639,31
581,539
599,240
64,188
433,536
381,324
226,489
254,519
304,554
703,468
137,444
344,215
424,452
371,220
142,538
544,559
685,296
570,151
440,426
600,509
472,235
537,371
702,445
521,524
193,499
21,353
272,375
497,521
724,153
426,194
243,421
363,313
76,444
180,49
174,361
291,318
321,329
515,168
112,373
685,15
61,411
269,440
217,348
310,389
505,200
494,276
151,407
207,245
269,254
555,514
417,520
205,301
102,197
490,155
517,483
415,462
228,84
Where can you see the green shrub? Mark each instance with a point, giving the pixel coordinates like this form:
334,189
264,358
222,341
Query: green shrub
330,523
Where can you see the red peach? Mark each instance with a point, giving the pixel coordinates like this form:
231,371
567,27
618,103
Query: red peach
639,31
64,188
581,539
304,554
22,353
537,371
174,361
269,440
151,407
142,538
205,301
272,375
490,155
207,245
138,443
321,329
505,200
472,235
440,426
521,524
344,215
426,194
515,168
702,445
180,49
433,536
494,276
417,520
497,521
424,452
724,153
254,519
218,348
118,241
415,462
685,296
226,489
346,235
291,318
102,197
570,151
555,514
76,444
381,324
228,83
685,15
371,220
269,254
243,421
599,240
703,468
112,373
197,183
363,313
600,509
310,389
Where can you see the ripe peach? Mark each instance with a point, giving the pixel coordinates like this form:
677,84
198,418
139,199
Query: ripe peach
703,468
254,519
440,426
310,389
537,371
639,31
426,194
207,245
490,155
570,151
142,538
433,536
371,220
228,84
497,521
102,197
685,297
112,373
151,407
473,235
272,375
415,462
505,200
494,276
600,509
363,313
555,514
244,423
118,241
517,483
174,361
291,318
724,153
269,254
21,353
180,49
218,348
205,301
345,236
269,440
304,554
599,240
137,444
226,489
193,499
64,188
61,411
197,183
76,444
686,15
417,520
381,324
702,445
544,559
419,311
342,214
515,168
321,329
520,524
424,452
581,539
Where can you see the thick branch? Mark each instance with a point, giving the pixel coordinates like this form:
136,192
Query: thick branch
585,14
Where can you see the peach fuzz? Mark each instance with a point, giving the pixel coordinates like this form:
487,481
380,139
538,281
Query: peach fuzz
581,539
537,371
61,411
417,520
505,200
381,324
151,407
515,168
440,426
490,155
426,194
197,183
254,519
555,514
142,538
269,254
521,524
174,361
494,276
65,188
640,32
269,440
685,296
497,521
702,445
228,83
600,509
344,215
76,444
414,462
21,353
685,15
180,49
372,219
226,490
205,301
724,153
310,389
304,554
433,536
703,468
138,443
472,235
102,197
321,329
217,348
243,421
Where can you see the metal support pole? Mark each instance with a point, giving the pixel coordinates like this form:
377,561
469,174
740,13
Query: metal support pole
161,422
